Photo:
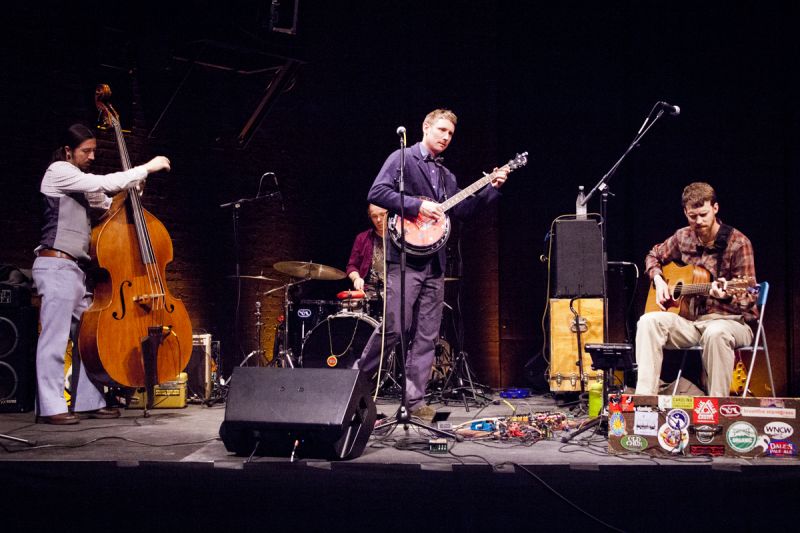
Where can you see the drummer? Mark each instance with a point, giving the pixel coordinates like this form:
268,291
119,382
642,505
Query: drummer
365,267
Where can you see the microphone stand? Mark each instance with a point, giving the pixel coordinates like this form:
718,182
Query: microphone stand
604,188
237,205
403,416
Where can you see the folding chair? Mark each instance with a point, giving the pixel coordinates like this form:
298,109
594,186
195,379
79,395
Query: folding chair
759,344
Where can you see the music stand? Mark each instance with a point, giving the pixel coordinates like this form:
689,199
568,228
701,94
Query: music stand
609,358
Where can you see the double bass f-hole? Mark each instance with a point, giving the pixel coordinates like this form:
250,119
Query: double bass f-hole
136,333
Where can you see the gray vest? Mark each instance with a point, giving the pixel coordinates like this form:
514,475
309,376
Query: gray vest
67,226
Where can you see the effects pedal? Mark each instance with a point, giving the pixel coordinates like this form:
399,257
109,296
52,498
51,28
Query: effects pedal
437,445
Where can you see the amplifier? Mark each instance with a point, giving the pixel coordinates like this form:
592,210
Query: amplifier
167,395
200,367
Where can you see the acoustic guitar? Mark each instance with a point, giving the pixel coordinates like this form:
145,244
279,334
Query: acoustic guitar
687,281
426,236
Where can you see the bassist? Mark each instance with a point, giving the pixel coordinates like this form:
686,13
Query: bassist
424,175
722,317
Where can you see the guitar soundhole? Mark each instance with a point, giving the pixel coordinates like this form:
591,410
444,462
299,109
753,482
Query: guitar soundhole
676,292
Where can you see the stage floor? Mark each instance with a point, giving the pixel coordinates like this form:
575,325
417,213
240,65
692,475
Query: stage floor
175,459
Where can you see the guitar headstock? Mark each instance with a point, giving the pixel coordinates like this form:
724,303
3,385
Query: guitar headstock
520,160
741,285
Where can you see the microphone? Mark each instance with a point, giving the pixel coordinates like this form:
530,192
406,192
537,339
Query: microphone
672,109
401,131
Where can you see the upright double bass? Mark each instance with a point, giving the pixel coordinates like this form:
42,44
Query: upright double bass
135,333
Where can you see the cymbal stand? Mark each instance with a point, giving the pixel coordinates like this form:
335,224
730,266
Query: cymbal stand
285,355
258,352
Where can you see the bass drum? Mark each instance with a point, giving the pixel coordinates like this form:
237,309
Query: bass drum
337,341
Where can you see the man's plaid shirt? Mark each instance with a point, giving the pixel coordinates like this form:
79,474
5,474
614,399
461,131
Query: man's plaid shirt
737,260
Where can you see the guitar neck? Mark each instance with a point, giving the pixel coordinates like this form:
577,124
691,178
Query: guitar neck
695,289
469,191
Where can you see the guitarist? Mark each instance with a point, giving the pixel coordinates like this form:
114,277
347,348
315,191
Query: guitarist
722,318
424,175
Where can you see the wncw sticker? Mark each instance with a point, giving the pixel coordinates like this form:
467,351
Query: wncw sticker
706,411
779,430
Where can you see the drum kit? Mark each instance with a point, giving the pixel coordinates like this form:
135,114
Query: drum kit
332,333
318,333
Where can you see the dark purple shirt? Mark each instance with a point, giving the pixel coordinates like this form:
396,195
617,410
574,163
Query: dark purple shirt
361,255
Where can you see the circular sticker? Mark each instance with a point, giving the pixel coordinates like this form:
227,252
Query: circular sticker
742,436
672,440
332,361
678,419
616,424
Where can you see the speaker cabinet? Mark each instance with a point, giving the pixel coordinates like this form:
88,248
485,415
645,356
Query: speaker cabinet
18,323
565,373
199,368
579,259
328,412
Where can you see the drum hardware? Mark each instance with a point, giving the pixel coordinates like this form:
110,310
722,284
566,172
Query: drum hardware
258,353
460,383
282,353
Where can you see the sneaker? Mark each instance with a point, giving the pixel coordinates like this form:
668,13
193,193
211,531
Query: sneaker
424,412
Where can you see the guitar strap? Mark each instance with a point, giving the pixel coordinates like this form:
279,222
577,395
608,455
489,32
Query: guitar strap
721,244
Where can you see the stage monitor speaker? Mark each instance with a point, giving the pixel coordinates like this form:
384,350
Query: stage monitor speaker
200,368
18,331
579,259
328,412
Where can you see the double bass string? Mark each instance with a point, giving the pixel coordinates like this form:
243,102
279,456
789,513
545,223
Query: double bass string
156,288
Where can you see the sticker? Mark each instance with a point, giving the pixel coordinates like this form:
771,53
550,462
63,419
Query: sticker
672,440
616,424
304,313
332,361
706,411
665,402
715,450
683,402
645,423
678,419
633,443
772,402
730,410
626,403
779,430
742,436
768,412
782,448
705,434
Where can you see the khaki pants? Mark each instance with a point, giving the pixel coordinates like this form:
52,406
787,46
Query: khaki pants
718,335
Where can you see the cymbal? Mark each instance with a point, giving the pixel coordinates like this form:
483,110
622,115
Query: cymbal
452,279
309,270
259,278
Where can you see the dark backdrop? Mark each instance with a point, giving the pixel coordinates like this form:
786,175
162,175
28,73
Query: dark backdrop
569,83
